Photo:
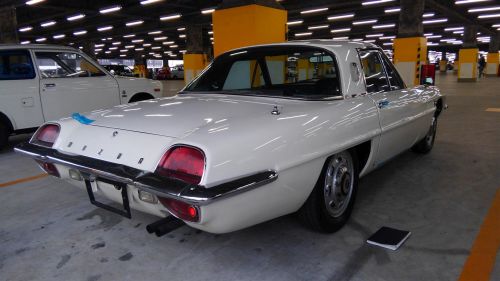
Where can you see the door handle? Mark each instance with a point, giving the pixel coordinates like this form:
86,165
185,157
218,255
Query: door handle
50,85
382,104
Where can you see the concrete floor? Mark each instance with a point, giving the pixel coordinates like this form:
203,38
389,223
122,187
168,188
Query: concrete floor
49,230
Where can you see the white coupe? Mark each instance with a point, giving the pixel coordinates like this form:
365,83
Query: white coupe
263,132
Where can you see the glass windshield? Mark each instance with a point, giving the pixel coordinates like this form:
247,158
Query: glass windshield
278,71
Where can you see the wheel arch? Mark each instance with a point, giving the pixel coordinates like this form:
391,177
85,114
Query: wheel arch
4,119
140,97
363,152
439,107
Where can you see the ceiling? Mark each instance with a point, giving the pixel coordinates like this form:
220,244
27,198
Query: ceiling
149,31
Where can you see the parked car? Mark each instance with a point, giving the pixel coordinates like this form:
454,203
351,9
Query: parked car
163,74
120,70
39,83
177,72
241,144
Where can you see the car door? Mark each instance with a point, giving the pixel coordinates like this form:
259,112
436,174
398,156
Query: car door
19,96
397,106
71,83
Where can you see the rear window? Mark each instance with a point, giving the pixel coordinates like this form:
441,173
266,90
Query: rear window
16,65
277,71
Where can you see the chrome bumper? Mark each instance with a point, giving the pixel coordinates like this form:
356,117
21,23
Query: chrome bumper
91,168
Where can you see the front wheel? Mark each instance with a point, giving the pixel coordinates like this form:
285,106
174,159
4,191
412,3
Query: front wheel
330,204
425,145
4,136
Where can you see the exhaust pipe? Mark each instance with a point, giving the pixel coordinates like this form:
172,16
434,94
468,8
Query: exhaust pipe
164,226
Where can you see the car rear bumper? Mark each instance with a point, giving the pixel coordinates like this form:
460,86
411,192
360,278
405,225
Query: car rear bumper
91,169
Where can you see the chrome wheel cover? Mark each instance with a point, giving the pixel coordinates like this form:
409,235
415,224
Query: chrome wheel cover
338,185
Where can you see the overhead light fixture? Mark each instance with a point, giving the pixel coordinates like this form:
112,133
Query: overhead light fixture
99,45
181,29
160,38
303,34
340,17
207,11
173,46
318,27
340,38
428,15
364,22
116,43
168,43
122,56
33,2
311,11
460,2
97,50
339,30
375,2
156,48
75,17
113,48
137,40
434,21
105,28
485,9
170,17
374,35
139,49
146,45
147,2
295,22
454,28
41,39
129,36
434,36
110,9
134,23
381,26
155,32
182,35
25,42
123,51
59,36
392,10
25,29
387,37
496,25
80,32
48,23
129,46
488,16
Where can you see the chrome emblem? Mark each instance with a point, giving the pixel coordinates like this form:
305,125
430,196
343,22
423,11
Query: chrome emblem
115,133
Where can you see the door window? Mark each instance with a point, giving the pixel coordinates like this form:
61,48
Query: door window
375,75
16,65
65,65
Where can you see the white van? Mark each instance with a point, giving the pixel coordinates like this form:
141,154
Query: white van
39,83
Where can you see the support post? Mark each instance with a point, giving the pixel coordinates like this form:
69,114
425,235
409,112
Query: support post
8,25
410,46
195,60
493,59
467,56
443,63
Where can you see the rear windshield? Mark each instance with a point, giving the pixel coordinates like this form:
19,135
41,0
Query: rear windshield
277,71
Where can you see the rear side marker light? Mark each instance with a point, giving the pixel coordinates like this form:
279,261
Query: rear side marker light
49,168
181,210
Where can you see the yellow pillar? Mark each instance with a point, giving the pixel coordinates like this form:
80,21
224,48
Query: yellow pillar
247,25
467,71
493,60
193,65
443,65
410,54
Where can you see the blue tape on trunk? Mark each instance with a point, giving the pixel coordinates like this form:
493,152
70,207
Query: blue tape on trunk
82,119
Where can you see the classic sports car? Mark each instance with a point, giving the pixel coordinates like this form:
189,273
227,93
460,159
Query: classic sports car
247,141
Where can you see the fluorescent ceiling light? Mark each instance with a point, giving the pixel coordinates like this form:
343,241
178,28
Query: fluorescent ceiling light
41,39
99,45
181,29
80,32
314,11
496,25
133,23
428,15
168,43
434,36
182,35
374,35
25,42
170,17
25,29
129,36
116,43
488,16
173,46
303,34
104,28
47,24
97,50
318,27
339,30
485,9
387,37
75,17
33,2
364,22
434,21
123,56
380,26
375,2
207,11
137,40
340,38
123,51
155,32
160,38
458,32
155,48
295,22
113,48
139,49
454,28
146,45
339,17
110,9
146,2
459,2
387,43
392,10
59,36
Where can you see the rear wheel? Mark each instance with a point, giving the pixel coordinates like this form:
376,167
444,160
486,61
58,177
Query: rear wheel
4,136
330,204
425,145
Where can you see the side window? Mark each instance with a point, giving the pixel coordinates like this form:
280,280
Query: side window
375,76
65,65
393,76
16,65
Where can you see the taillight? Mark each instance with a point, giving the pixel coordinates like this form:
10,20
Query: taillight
181,210
46,135
49,168
183,163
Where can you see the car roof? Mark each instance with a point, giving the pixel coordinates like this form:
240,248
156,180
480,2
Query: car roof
36,46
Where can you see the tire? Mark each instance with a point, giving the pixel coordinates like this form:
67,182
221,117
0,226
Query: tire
338,181
425,145
4,136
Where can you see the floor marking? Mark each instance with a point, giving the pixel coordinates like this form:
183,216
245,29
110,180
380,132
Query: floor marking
493,109
23,180
481,260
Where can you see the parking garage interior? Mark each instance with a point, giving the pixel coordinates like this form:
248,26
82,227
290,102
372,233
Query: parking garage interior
449,199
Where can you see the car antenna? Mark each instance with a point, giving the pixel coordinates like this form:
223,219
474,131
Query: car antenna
275,111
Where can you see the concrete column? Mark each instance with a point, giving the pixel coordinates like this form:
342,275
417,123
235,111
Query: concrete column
8,25
443,63
140,69
195,59
467,56
240,23
493,59
410,46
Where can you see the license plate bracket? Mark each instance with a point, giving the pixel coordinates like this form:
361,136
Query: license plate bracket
125,212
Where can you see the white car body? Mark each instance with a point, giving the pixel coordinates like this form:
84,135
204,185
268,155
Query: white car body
240,137
28,103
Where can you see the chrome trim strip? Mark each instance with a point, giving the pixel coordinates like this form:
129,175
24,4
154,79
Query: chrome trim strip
147,181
